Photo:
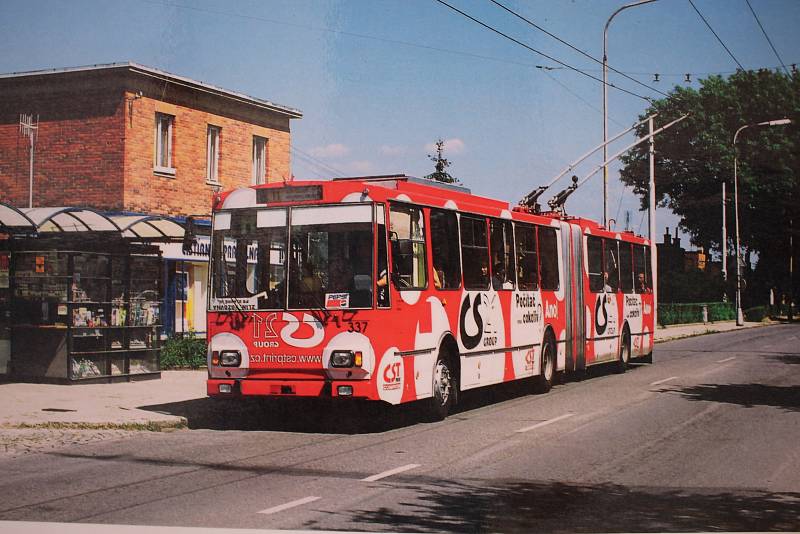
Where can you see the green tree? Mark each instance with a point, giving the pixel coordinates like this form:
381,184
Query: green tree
441,164
694,158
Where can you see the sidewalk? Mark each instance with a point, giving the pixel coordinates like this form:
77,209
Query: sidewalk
122,405
669,333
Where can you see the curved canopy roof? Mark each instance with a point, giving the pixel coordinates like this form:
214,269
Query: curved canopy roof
14,221
54,220
148,227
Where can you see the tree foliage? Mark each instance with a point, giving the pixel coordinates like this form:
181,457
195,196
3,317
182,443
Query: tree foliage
441,163
694,158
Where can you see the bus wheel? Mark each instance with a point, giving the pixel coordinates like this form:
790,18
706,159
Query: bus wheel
444,389
544,381
624,352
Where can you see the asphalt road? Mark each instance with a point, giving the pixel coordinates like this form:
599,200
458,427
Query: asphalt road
707,438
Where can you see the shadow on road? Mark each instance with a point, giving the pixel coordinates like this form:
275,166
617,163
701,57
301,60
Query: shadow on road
521,506
747,395
341,416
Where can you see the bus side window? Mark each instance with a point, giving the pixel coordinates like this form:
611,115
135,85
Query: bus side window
594,250
407,234
548,259
503,265
446,264
527,261
475,252
625,267
640,269
610,260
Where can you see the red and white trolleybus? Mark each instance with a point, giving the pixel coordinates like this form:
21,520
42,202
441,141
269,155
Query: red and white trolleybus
397,289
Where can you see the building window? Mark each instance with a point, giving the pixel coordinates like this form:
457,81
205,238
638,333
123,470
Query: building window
164,124
212,154
259,160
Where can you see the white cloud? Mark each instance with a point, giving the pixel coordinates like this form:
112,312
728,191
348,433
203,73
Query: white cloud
451,146
392,150
334,150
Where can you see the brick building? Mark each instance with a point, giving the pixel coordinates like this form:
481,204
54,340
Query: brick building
124,137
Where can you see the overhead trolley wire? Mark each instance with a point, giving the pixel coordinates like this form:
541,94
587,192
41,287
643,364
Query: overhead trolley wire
520,43
562,41
767,36
715,35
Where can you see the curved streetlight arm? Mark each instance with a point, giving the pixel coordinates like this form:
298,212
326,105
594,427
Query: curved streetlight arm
605,99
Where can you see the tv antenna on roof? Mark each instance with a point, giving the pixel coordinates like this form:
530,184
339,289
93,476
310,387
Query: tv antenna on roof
29,128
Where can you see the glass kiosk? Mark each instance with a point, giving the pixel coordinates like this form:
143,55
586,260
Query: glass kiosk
85,314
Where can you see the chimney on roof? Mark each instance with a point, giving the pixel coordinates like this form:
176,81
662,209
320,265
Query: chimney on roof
677,240
667,237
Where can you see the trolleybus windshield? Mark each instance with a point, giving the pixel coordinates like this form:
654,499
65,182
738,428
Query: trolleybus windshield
329,265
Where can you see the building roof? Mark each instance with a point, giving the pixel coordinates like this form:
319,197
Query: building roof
172,78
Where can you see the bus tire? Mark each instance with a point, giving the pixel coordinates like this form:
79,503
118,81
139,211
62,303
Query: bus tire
444,388
624,351
547,371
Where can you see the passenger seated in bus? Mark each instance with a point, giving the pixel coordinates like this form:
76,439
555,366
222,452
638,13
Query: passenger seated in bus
499,280
438,276
641,284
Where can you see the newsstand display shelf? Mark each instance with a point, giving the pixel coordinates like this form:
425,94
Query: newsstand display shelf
84,316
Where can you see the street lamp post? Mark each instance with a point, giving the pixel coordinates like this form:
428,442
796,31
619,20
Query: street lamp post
778,122
605,103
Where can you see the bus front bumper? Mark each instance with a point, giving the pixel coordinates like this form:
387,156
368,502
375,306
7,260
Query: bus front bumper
247,387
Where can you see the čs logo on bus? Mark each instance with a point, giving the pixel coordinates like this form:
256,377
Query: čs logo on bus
392,376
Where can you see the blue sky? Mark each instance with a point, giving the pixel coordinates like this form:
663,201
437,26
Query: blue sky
379,81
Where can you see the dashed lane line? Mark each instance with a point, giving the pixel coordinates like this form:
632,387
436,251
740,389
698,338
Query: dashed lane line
545,423
390,472
286,506
657,382
727,359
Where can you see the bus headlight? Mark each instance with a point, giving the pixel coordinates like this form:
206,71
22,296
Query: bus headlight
346,358
342,358
230,358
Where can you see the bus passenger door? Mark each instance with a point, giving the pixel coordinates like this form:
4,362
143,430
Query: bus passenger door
575,305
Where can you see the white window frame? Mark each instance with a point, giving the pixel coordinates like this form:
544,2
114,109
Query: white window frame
259,160
160,149
213,137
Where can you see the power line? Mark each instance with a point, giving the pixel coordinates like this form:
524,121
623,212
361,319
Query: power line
311,160
520,43
562,41
579,97
767,36
715,35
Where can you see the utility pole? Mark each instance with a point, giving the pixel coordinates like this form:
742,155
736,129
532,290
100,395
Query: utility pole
652,220
29,128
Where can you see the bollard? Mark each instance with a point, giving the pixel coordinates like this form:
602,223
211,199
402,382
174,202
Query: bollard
705,314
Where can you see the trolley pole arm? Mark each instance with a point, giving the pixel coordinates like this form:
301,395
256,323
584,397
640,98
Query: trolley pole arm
530,199
618,154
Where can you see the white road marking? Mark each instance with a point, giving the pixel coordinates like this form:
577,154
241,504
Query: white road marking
726,359
390,472
657,382
282,507
545,423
